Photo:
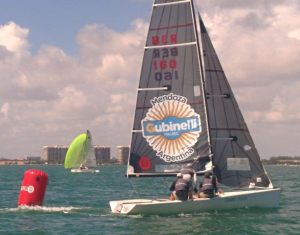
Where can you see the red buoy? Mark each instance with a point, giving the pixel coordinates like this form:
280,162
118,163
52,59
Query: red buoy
33,188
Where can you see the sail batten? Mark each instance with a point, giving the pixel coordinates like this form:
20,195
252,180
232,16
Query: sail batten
169,2
171,45
153,89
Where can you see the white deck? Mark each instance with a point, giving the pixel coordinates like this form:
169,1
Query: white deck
228,200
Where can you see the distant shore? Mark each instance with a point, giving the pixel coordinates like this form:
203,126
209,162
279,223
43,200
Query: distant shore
20,162
281,160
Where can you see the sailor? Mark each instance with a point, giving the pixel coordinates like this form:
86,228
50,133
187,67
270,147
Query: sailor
182,188
208,187
172,187
82,167
188,169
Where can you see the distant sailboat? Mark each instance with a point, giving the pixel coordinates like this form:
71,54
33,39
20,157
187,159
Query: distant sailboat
186,113
80,157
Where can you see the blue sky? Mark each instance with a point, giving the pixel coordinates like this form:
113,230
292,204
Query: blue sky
71,65
58,22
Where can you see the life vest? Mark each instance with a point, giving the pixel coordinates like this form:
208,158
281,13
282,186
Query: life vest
207,186
182,188
181,185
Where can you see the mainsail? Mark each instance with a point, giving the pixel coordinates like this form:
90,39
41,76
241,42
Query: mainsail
235,158
80,152
170,124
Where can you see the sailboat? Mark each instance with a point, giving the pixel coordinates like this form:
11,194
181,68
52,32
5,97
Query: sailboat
186,113
80,157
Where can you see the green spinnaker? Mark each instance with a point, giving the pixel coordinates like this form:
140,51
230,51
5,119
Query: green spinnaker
77,151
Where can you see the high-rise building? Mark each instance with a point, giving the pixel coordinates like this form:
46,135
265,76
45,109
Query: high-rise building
123,154
54,154
102,154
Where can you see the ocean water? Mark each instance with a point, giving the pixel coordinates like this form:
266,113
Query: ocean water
79,204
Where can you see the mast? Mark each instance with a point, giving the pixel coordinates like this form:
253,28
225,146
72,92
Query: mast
202,78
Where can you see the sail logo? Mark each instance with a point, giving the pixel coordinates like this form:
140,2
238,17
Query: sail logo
171,127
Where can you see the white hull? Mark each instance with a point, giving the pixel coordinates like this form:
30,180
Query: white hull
85,171
228,200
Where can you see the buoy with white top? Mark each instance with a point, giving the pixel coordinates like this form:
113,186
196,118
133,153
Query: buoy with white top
33,188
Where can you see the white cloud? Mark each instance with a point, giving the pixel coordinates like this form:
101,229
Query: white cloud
4,110
295,34
71,99
14,38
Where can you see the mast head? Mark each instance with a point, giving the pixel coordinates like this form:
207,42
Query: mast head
88,133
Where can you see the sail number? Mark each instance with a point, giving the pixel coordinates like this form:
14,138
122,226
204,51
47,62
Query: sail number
164,39
165,63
